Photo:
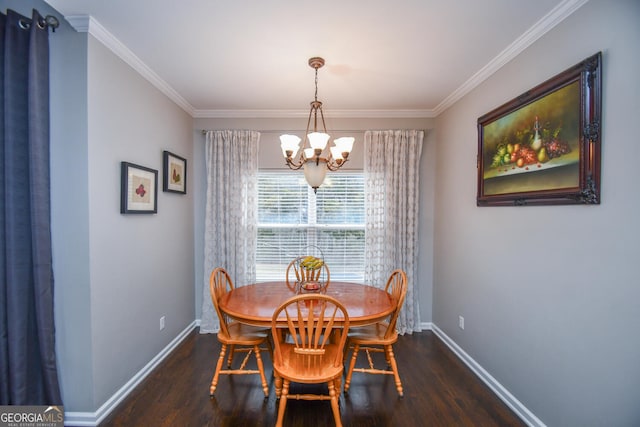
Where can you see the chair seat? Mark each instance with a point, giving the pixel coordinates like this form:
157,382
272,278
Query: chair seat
294,368
372,334
240,334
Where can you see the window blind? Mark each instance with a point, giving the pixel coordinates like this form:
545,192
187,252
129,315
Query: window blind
293,221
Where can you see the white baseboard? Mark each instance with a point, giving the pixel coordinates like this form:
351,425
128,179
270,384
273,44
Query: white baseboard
426,326
92,419
516,406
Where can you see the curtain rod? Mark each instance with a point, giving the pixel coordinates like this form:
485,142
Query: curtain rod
48,21
52,22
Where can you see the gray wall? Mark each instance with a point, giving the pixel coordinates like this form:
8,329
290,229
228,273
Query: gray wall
115,275
141,265
549,294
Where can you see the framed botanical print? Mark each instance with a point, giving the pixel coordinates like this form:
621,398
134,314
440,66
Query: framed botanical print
174,173
138,189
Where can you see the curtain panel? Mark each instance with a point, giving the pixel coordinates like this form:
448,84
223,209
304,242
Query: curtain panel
28,372
231,235
392,169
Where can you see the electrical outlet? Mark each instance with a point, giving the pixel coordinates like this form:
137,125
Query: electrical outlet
162,323
461,322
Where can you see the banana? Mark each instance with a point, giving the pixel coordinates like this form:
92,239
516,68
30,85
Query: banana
314,264
308,262
311,263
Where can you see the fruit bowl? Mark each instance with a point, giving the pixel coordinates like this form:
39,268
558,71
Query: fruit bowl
311,273
311,287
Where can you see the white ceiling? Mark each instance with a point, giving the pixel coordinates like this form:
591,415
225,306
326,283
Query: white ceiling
248,58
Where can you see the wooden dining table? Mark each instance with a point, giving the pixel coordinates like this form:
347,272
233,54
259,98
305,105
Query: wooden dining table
255,304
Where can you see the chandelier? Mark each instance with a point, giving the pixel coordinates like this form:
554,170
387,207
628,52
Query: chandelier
311,156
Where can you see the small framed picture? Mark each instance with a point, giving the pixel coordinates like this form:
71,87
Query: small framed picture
139,189
175,173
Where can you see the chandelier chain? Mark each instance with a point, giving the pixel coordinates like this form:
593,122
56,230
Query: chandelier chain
316,94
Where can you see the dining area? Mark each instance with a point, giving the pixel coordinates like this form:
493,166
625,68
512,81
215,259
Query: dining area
310,328
311,350
262,227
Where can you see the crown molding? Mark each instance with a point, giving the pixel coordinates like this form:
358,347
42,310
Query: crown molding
537,30
87,24
291,114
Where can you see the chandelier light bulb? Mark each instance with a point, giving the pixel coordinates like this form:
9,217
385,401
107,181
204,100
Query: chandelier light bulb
345,144
309,153
290,145
336,154
318,140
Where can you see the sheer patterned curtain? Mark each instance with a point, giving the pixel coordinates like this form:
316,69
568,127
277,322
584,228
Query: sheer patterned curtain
231,212
392,166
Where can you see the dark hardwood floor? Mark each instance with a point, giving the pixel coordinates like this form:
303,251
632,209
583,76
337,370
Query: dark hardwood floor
439,390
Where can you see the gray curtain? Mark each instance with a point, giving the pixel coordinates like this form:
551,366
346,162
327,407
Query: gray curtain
28,374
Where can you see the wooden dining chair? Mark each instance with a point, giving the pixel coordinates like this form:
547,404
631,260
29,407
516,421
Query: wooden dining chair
296,274
235,336
309,356
379,337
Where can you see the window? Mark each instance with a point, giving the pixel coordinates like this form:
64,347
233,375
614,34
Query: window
291,218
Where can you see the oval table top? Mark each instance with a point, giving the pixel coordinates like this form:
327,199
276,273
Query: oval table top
254,304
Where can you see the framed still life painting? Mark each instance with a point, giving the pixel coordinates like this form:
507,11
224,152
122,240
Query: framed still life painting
174,174
543,147
139,189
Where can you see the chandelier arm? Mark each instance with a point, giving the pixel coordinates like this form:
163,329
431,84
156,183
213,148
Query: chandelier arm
307,131
295,165
324,127
333,166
